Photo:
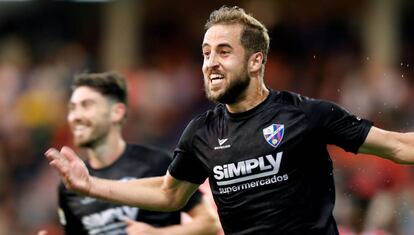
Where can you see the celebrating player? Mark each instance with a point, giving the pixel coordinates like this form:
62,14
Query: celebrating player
263,151
97,111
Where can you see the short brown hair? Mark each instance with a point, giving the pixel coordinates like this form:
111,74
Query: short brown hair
109,84
254,36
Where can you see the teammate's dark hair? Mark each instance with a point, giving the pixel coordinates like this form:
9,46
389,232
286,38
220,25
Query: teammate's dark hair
110,84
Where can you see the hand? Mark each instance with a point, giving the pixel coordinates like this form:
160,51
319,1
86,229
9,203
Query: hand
139,228
71,169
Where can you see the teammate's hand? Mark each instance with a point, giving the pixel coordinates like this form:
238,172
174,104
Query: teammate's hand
71,169
139,228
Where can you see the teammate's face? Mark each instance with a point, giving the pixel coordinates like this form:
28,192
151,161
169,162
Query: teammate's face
225,64
89,117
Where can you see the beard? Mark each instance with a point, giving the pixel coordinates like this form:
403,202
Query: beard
90,142
97,136
235,90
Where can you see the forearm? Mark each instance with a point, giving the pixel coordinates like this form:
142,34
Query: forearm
191,228
159,193
398,147
404,151
203,222
145,193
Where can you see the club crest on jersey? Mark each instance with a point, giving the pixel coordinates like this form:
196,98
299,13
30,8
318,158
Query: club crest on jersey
274,134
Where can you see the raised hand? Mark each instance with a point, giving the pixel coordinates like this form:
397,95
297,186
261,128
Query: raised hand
71,169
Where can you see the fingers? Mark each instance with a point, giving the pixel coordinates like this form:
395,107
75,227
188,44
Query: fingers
55,159
42,232
52,154
69,153
62,158
135,227
71,169
129,221
136,224
59,162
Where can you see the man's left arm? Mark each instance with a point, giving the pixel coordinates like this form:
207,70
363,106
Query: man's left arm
397,147
203,222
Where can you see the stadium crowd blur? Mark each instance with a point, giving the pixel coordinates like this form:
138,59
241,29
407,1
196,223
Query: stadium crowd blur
359,54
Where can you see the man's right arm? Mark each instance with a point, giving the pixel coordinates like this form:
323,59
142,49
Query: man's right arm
394,146
164,193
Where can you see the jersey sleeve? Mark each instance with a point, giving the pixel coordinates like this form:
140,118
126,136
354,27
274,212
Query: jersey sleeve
185,165
70,223
335,125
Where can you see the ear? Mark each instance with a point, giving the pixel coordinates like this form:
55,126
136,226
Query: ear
118,112
255,62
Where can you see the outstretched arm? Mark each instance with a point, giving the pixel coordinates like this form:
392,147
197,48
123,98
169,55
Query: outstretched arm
203,222
158,193
397,147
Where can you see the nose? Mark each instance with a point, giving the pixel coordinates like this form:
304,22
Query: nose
73,115
212,60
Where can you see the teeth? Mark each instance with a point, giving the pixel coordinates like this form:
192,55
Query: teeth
216,76
79,128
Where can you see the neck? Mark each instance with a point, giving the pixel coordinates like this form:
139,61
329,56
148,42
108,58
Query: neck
107,152
253,96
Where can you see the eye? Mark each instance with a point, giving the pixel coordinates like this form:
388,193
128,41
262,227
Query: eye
206,54
87,104
224,52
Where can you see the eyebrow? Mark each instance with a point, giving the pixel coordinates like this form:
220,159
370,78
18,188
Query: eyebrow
82,101
219,45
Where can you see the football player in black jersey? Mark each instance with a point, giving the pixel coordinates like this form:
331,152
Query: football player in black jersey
263,151
97,110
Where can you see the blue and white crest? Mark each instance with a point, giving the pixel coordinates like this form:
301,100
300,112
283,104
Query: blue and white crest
274,134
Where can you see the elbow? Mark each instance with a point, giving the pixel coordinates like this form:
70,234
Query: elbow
169,207
207,223
402,156
206,219
173,202
175,205
212,225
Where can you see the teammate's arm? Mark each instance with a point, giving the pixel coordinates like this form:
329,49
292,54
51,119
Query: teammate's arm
203,222
164,193
397,147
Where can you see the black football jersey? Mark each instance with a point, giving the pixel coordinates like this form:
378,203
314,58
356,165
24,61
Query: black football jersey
268,167
85,215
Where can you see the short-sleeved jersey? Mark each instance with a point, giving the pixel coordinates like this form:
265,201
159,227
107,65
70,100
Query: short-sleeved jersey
269,169
84,215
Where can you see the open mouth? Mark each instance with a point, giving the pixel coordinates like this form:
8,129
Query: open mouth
216,78
79,129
